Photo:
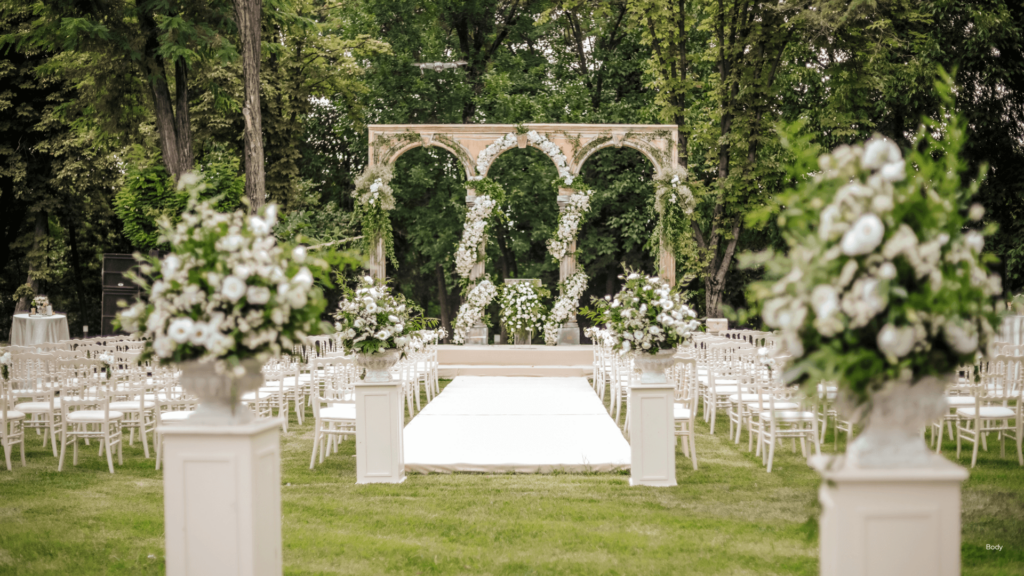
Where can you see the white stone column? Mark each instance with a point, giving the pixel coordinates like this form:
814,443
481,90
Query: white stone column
652,438
569,333
378,265
667,265
883,522
380,423
478,333
222,498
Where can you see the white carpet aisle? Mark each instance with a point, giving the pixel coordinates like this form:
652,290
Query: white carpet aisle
521,424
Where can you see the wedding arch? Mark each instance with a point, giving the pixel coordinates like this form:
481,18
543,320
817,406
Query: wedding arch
476,146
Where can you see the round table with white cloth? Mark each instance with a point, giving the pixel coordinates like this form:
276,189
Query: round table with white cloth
30,330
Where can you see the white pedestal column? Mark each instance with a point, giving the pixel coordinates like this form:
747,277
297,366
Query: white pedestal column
877,522
380,452
222,498
652,435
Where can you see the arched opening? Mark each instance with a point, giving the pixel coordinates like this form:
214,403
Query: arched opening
430,199
621,220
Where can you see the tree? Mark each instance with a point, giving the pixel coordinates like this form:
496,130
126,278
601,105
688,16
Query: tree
248,15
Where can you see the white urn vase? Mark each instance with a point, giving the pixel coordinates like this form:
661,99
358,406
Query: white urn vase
895,417
653,366
378,364
219,394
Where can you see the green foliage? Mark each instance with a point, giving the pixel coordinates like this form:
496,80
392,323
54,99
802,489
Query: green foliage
149,194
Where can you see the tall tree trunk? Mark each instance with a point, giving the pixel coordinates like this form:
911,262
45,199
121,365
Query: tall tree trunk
247,16
442,299
173,126
76,267
35,260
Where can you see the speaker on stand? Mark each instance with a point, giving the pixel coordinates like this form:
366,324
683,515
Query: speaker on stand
116,287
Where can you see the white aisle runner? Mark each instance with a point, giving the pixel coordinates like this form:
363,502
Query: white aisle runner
515,424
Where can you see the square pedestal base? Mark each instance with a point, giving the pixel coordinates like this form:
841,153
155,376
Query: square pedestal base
380,452
569,335
652,439
902,522
222,498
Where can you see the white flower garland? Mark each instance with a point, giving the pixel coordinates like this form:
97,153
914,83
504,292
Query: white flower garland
467,254
569,223
487,155
564,305
670,189
472,311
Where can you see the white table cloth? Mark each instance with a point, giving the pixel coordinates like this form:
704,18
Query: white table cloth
30,330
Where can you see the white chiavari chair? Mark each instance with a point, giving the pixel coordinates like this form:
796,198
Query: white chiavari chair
38,380
12,429
776,422
88,416
131,383
997,408
334,408
684,376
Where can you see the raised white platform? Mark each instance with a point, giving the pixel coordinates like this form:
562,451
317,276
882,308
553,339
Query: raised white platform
515,424
507,360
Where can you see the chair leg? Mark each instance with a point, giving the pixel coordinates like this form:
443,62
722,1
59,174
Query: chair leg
145,437
110,458
693,444
977,441
7,452
316,442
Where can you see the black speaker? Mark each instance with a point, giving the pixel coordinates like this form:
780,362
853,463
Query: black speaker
110,307
114,268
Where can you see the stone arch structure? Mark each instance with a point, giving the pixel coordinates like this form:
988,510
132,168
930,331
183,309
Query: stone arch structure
578,142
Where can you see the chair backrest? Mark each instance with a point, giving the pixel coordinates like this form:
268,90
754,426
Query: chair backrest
34,371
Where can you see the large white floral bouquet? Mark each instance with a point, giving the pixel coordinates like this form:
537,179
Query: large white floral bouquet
227,291
521,307
645,316
569,222
881,283
472,310
372,319
564,305
374,200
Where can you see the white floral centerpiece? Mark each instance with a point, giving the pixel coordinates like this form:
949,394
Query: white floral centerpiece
565,305
377,325
569,222
472,310
521,310
223,301
40,303
882,291
647,318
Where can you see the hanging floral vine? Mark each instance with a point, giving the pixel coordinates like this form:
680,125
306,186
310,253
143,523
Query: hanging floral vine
374,199
467,253
674,202
472,310
569,223
571,292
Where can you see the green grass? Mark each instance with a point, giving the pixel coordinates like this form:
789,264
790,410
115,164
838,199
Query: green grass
730,517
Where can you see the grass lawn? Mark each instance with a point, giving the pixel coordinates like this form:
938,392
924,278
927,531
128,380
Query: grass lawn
730,517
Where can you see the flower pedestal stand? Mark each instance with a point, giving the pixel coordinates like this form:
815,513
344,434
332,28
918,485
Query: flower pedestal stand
380,453
222,498
652,438
889,521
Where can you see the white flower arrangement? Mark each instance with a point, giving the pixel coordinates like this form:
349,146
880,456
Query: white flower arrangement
880,284
521,308
645,316
40,302
472,310
569,222
374,199
226,292
468,251
564,306
487,155
372,319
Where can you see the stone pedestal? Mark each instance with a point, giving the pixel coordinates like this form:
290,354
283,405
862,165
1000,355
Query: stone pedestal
380,455
569,334
477,335
889,522
222,498
652,435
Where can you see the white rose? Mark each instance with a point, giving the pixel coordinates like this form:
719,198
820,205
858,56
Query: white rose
974,241
878,152
887,271
882,203
895,342
258,295
171,265
164,347
893,171
232,288
960,339
977,212
824,301
200,334
258,226
180,330
303,278
865,235
625,347
299,254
